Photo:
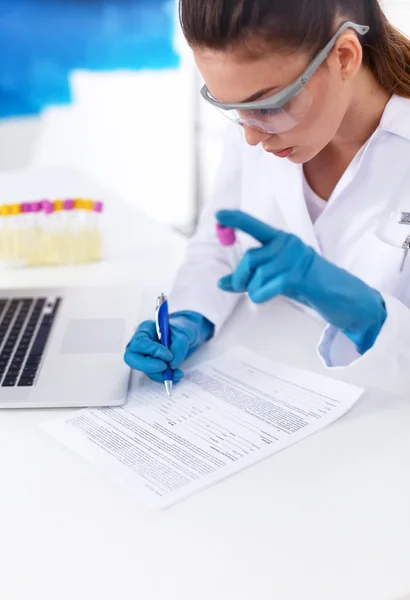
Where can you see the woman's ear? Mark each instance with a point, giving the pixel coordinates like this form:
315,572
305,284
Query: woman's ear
349,55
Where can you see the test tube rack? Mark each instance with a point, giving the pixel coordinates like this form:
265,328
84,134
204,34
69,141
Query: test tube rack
51,232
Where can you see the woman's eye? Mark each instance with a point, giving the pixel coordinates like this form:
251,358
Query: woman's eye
266,112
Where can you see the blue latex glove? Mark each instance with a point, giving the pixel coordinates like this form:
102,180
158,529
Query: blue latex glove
189,330
284,265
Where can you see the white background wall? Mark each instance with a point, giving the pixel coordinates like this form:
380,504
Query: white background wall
398,12
136,133
132,132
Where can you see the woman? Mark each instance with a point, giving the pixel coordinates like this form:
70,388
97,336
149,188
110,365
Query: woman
318,174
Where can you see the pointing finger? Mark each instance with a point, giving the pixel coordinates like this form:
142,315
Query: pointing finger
236,219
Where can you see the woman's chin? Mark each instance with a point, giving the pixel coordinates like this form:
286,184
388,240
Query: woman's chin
301,155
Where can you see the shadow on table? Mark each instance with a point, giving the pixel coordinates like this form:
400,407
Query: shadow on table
374,401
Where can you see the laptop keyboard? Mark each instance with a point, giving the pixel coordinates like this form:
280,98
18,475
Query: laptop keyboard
25,326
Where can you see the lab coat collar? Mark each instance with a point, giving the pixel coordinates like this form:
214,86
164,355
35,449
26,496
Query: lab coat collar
286,186
286,183
396,117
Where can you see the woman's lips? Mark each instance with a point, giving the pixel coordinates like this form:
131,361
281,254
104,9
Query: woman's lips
282,153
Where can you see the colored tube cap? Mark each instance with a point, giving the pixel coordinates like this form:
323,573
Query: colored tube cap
68,204
79,204
36,207
98,207
58,205
15,209
226,235
47,207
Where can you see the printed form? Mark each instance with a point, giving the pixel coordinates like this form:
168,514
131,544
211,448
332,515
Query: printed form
226,415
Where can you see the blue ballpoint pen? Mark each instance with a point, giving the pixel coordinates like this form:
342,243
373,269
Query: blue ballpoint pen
164,336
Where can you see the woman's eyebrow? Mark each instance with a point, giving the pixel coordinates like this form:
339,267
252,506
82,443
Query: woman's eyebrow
259,94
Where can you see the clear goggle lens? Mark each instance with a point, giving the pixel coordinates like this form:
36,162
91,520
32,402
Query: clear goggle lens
273,120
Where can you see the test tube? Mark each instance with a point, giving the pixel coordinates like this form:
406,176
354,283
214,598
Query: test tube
81,240
24,229
36,257
88,229
69,232
227,238
30,242
47,245
98,208
58,227
14,211
3,233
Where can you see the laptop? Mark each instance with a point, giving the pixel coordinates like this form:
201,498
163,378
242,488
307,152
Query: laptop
64,348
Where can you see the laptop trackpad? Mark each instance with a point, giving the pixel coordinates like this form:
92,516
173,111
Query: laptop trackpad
94,336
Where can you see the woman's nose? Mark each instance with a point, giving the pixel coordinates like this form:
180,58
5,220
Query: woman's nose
255,137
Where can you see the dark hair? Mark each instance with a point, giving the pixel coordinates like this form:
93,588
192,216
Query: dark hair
305,24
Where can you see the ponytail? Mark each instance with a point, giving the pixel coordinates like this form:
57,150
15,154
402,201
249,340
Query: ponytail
386,52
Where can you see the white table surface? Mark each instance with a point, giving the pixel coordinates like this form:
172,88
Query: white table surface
327,519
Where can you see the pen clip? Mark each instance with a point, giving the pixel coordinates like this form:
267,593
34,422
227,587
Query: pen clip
159,302
406,248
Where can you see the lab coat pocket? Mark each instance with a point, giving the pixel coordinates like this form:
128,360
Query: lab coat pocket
378,263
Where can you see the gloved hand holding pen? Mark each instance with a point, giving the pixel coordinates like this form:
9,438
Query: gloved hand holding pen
284,265
189,330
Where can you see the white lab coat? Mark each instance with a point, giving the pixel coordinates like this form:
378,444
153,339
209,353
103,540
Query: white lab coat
359,231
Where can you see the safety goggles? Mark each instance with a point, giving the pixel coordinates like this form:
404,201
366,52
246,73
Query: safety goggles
284,110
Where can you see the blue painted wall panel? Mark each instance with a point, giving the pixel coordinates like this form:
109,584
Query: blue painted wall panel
41,41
